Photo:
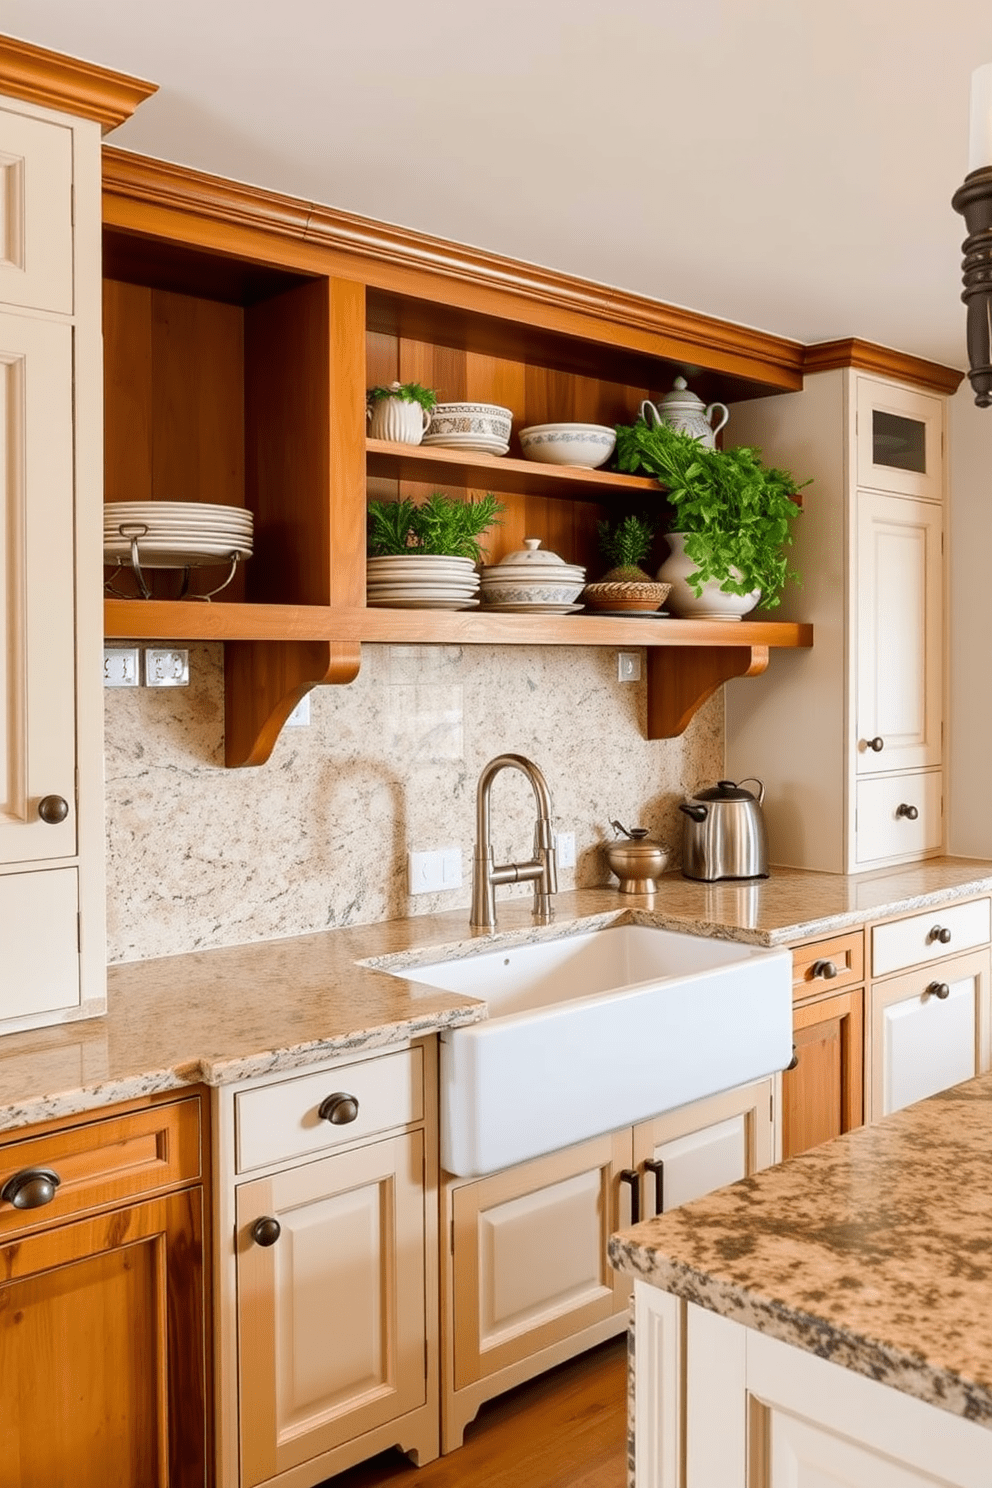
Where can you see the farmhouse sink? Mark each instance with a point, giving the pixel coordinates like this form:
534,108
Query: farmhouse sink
589,1032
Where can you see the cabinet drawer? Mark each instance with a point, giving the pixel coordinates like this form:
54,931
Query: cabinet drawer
105,1162
828,965
925,937
278,1122
885,832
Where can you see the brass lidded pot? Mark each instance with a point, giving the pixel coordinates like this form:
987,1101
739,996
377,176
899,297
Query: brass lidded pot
637,861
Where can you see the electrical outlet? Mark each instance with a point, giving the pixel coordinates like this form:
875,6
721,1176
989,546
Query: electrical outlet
120,666
629,666
433,871
300,716
565,849
451,867
166,668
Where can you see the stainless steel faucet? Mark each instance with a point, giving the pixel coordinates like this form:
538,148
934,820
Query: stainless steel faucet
542,868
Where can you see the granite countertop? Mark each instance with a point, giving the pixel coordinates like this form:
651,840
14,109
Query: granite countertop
874,1251
222,1015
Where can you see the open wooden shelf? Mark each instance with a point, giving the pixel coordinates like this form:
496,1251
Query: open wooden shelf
500,473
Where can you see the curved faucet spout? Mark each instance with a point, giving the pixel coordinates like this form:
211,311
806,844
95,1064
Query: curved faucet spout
542,868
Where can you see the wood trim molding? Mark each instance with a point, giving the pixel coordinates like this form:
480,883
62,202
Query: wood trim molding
825,356
155,183
55,81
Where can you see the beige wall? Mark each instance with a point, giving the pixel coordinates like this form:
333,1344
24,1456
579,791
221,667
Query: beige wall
969,819
202,856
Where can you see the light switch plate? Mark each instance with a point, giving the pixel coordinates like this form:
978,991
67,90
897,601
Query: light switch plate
166,668
565,849
628,666
120,666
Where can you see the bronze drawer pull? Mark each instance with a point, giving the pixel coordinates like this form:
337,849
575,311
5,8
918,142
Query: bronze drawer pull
30,1188
340,1109
631,1176
941,933
825,969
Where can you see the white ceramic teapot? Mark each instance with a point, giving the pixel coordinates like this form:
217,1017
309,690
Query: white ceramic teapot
682,410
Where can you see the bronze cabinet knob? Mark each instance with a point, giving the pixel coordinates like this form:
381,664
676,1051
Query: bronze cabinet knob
939,989
266,1231
876,745
941,933
909,812
53,809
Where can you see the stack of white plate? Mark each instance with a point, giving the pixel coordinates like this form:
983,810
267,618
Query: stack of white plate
482,428
175,534
422,581
532,580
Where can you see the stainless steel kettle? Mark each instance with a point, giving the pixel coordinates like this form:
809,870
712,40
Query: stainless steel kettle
724,833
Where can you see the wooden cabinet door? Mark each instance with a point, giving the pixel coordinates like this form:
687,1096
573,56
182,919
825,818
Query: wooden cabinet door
36,216
929,1030
900,438
696,1149
37,635
824,1095
899,586
529,1255
332,1315
102,1352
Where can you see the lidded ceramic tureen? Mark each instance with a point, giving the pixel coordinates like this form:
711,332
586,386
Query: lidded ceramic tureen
532,578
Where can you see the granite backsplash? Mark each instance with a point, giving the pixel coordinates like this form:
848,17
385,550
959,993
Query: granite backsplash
201,856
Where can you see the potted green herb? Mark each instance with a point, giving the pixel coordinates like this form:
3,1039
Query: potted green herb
731,525
400,412
625,587
425,555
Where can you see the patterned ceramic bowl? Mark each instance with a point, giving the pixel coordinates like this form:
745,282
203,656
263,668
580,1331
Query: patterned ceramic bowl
509,593
479,420
587,445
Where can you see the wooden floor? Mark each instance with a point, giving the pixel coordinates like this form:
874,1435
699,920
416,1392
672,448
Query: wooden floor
567,1429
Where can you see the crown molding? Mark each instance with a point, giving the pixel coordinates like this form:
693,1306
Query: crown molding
866,356
48,78
146,182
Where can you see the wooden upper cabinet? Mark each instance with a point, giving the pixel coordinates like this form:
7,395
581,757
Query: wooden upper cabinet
35,213
900,440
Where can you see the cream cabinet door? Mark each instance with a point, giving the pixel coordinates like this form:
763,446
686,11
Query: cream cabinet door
39,933
696,1149
529,1255
35,213
332,1312
898,583
37,640
929,1030
900,439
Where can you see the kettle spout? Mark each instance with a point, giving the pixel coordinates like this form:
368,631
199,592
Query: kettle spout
693,809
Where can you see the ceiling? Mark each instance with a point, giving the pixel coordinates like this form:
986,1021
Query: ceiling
787,164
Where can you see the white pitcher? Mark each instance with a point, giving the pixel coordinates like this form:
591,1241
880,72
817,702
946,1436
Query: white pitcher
682,410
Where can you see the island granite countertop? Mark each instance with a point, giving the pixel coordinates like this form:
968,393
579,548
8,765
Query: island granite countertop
220,1015
873,1251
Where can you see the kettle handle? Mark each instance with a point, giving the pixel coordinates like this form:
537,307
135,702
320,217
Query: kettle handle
649,413
757,782
712,408
697,812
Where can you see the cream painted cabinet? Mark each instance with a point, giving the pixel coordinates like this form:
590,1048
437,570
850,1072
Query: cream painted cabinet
327,1346
848,738
525,1281
51,809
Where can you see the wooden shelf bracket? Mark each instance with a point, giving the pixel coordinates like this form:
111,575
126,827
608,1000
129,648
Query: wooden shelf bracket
680,680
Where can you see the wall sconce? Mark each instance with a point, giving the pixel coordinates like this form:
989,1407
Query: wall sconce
974,201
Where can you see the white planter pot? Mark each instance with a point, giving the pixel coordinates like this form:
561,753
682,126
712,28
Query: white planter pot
714,603
398,420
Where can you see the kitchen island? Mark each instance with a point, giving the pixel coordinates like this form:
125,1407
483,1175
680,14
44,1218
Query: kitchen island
826,1321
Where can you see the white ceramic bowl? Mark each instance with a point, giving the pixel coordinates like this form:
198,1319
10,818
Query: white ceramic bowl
532,593
469,420
586,445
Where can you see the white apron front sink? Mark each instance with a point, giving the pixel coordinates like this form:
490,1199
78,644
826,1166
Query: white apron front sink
591,1032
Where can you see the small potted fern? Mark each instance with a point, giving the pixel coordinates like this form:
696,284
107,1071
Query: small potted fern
400,412
625,588
424,556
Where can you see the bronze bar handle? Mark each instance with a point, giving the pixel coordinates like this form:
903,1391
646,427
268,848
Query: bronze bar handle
825,969
340,1109
909,812
941,933
631,1176
938,989
266,1231
30,1188
656,1166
